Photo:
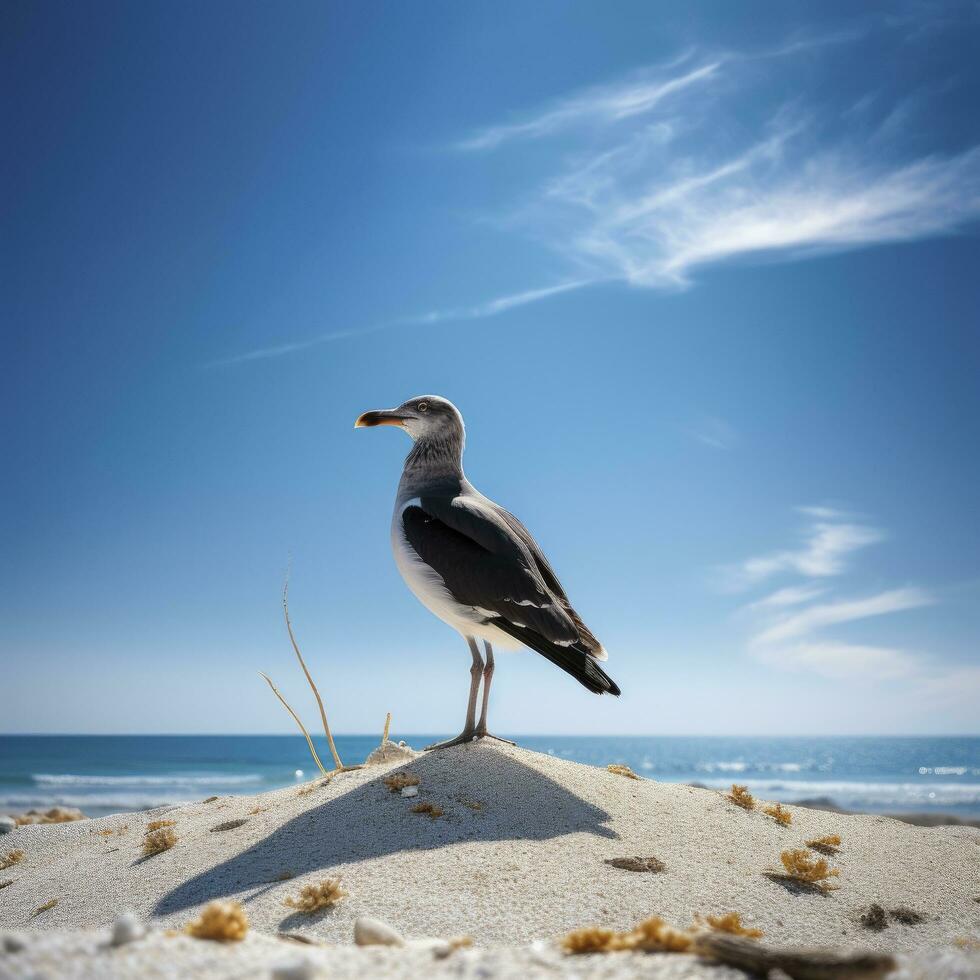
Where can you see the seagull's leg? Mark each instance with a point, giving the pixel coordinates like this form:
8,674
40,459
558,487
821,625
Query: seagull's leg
476,672
481,728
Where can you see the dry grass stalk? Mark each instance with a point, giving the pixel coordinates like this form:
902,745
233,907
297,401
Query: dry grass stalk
650,936
223,922
49,904
828,845
306,790
805,869
619,770
302,727
157,841
312,898
779,813
158,824
323,714
432,809
10,859
731,923
741,796
397,781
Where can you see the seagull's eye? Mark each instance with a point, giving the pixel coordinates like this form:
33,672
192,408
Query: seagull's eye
423,406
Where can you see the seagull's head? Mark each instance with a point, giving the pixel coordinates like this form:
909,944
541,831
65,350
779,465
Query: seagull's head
425,417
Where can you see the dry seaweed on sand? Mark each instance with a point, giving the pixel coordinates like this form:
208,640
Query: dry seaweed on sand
49,904
220,921
653,935
11,858
730,923
741,796
157,841
906,916
160,824
828,845
228,825
431,809
805,870
779,813
312,898
397,781
618,770
650,864
55,815
874,918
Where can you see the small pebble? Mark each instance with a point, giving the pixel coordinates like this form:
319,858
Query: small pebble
410,791
7,824
371,932
301,969
126,929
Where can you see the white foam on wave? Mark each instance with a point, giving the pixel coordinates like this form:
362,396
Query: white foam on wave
171,779
854,794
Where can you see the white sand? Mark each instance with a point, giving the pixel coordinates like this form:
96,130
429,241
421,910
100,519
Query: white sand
528,865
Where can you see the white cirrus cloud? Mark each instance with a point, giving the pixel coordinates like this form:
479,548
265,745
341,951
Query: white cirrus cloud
840,661
697,162
816,617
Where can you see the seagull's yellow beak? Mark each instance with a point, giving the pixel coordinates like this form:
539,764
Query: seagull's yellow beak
386,416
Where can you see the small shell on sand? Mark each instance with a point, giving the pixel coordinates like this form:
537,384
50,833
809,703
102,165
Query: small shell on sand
373,932
126,929
410,791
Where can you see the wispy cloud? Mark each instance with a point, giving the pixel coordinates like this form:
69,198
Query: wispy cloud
717,433
492,307
701,162
828,540
602,105
788,625
829,614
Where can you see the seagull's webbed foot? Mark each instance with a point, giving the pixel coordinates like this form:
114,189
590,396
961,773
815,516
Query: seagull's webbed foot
461,739
486,734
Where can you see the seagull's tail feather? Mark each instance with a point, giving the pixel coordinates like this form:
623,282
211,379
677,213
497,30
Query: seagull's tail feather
573,661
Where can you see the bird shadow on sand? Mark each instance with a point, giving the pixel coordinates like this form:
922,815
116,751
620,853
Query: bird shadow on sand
485,795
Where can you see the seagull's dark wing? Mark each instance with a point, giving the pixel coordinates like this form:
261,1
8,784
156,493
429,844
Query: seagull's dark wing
486,564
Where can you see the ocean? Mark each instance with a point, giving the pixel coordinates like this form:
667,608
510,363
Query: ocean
112,773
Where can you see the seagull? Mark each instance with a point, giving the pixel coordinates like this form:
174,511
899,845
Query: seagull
476,566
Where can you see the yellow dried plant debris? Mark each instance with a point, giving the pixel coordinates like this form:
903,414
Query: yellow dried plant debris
829,845
10,859
741,796
432,809
114,832
49,904
55,815
779,813
157,841
802,867
312,898
653,935
223,922
731,923
397,781
159,824
619,770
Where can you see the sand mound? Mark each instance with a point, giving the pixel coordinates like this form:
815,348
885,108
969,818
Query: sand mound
527,847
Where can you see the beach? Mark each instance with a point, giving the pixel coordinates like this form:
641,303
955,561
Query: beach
513,854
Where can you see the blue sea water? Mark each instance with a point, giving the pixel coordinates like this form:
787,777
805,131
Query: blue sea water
112,773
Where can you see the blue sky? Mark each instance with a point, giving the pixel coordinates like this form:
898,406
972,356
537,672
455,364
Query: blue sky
701,278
